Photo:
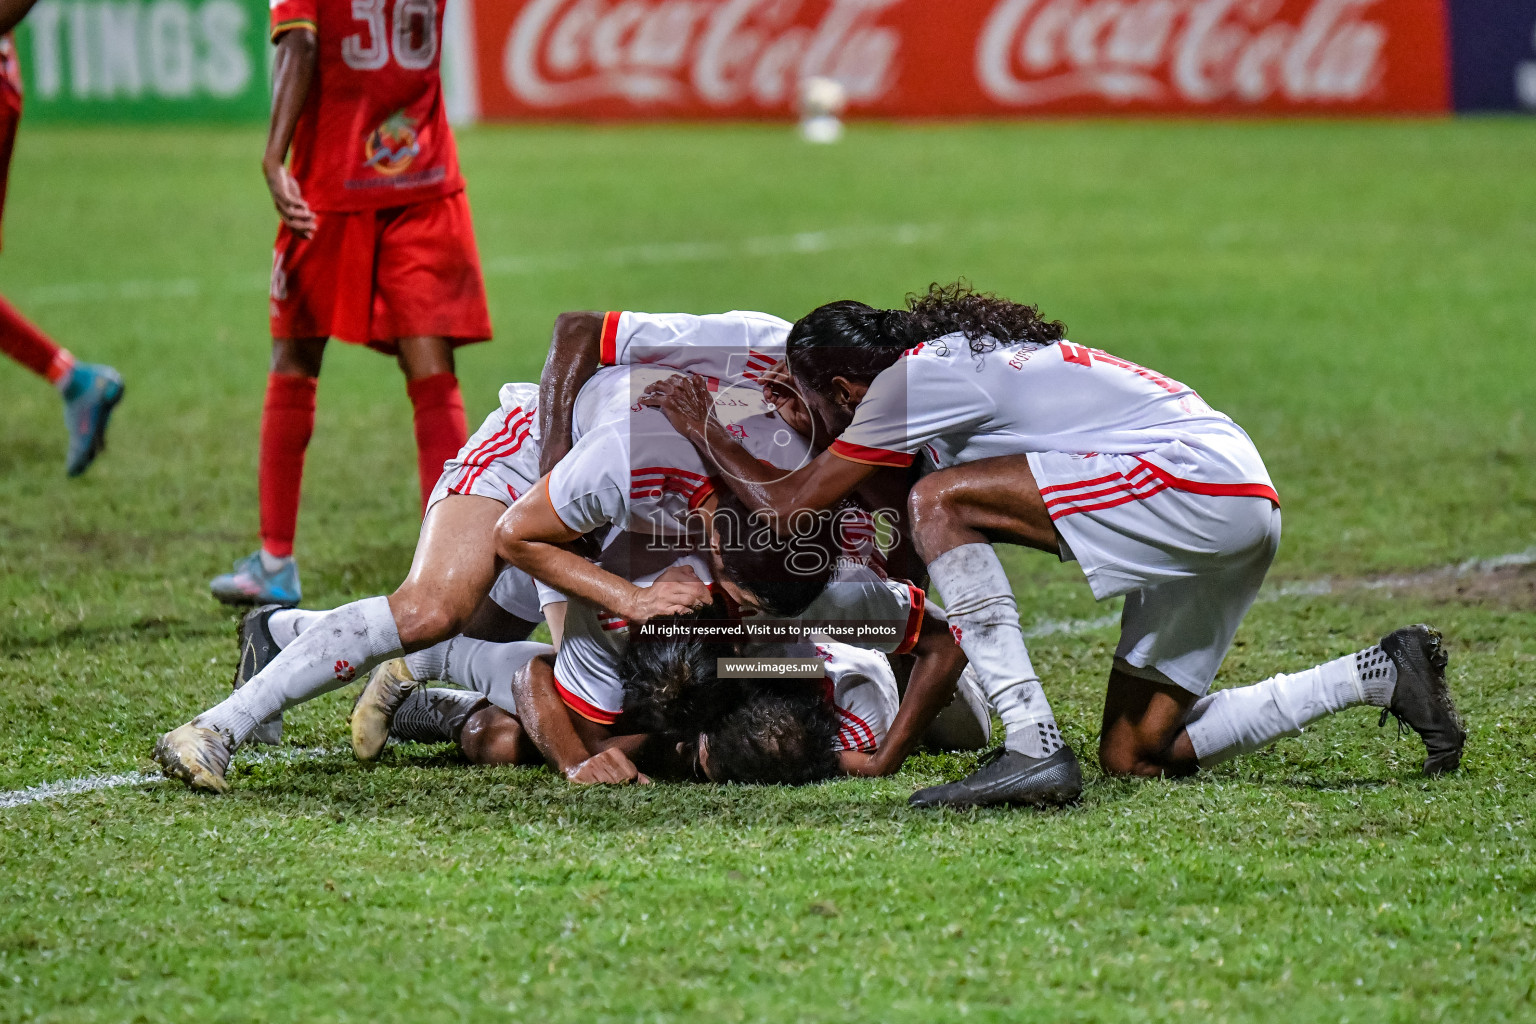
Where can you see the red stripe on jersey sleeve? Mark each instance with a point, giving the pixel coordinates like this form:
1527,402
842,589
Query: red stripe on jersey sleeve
870,456
608,348
914,620
591,712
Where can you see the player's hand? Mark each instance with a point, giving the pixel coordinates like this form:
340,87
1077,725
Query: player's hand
665,597
610,768
685,400
291,207
780,392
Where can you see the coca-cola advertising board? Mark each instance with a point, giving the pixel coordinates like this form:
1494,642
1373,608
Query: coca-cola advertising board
627,59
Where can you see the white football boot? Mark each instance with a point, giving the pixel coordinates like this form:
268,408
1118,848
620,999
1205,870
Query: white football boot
375,709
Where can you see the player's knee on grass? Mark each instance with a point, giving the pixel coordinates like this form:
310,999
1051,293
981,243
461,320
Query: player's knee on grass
491,736
1143,728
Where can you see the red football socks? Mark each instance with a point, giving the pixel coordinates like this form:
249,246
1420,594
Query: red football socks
440,426
287,421
22,341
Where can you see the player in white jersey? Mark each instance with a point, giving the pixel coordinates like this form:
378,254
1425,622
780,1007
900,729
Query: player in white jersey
1036,441
457,557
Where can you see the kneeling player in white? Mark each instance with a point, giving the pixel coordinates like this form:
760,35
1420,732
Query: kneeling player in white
456,562
1039,442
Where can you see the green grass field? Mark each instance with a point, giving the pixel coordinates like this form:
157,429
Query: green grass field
1358,295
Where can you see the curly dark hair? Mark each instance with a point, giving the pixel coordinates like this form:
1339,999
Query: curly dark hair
777,734
856,341
766,733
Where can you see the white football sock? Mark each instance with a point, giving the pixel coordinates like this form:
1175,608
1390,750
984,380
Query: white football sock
286,624
431,663
344,645
435,715
985,620
1227,723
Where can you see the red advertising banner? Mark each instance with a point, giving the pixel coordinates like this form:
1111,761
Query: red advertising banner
634,59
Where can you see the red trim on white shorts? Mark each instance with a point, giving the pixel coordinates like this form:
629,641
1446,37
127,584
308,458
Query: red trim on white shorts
855,733
1141,483
511,445
1219,490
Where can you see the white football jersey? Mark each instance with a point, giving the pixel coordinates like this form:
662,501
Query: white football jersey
860,596
732,347
955,406
630,468
593,644
859,683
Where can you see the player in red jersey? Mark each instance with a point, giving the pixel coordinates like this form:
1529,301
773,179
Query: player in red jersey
375,248
90,391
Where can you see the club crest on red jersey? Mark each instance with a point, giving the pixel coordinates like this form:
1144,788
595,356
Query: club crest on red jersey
390,148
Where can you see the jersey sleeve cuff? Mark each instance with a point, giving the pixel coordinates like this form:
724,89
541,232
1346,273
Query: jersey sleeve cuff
870,456
591,712
289,24
608,345
919,601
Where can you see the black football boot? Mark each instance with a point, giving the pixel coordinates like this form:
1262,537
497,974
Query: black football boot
1009,777
257,649
1421,700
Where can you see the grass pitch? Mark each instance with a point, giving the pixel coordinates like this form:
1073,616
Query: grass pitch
1357,295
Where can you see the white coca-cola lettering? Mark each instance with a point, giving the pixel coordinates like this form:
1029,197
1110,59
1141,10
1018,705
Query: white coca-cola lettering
1034,52
722,52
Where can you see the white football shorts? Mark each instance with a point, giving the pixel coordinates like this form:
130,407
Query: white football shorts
1189,564
501,459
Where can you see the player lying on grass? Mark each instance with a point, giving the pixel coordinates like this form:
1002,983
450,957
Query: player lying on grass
509,614
375,245
1040,442
456,557
588,680
628,469
731,730
90,390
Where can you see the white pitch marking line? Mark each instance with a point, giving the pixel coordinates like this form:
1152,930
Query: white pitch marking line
1041,629
803,243
91,783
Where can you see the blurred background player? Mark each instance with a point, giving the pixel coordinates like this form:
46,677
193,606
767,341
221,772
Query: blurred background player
90,390
375,248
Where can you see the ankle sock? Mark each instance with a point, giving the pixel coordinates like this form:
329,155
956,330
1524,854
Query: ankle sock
24,342
286,624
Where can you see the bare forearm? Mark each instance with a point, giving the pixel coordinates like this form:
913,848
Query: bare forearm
545,718
574,356
293,72
929,690
569,573
761,487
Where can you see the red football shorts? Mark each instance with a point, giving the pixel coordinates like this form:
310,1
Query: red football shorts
373,276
